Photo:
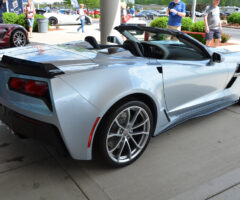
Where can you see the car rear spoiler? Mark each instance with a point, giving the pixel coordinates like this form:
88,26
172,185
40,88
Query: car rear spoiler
31,68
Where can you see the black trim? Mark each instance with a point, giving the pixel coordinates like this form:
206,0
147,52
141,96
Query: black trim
233,79
26,127
180,35
25,67
160,70
165,112
238,69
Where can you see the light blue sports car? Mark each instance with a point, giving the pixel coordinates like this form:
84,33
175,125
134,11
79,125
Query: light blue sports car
114,98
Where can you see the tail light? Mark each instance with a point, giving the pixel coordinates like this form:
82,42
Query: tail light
38,89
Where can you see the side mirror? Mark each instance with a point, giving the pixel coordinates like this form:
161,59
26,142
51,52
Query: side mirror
216,57
114,39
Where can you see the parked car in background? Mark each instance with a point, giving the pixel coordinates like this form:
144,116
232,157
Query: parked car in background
149,14
13,35
198,14
65,16
40,11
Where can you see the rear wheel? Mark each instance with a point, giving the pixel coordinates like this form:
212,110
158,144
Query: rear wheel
53,21
18,38
126,133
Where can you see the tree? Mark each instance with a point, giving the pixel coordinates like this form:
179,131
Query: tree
90,3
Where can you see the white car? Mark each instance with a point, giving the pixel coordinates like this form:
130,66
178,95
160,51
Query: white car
65,16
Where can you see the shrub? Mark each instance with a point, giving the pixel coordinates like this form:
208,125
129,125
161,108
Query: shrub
186,24
198,27
92,16
10,18
160,22
200,38
225,37
97,16
234,18
21,20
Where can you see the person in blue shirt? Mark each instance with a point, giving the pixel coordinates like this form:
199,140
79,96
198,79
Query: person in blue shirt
176,11
132,11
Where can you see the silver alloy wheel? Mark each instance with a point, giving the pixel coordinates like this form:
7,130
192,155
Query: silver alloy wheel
19,38
128,134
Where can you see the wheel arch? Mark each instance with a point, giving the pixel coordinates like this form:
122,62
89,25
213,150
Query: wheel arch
136,96
13,31
53,17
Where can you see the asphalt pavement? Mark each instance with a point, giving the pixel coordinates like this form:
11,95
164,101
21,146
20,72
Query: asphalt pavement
197,160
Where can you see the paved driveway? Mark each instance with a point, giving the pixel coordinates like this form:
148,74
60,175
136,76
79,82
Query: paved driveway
180,161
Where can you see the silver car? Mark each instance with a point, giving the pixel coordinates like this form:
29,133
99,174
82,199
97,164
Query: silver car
114,98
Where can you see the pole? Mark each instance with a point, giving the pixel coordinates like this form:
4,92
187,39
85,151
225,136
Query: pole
110,17
194,10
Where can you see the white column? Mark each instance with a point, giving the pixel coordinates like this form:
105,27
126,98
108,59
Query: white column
194,10
110,17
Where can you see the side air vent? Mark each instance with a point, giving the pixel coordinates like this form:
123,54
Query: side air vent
160,70
234,78
238,69
231,82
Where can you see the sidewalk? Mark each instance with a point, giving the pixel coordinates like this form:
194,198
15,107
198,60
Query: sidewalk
65,34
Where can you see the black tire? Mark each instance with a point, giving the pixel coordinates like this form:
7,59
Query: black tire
88,22
53,21
120,147
18,38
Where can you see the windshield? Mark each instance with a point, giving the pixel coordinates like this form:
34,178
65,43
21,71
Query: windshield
152,37
161,43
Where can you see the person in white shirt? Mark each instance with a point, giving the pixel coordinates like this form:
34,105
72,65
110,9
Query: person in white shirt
30,12
82,18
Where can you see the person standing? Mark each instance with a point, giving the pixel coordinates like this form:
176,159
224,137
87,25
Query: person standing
82,18
176,11
30,12
213,27
2,4
132,11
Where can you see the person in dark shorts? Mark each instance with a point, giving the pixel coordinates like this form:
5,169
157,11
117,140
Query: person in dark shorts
213,27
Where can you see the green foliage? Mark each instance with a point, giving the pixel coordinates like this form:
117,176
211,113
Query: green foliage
35,25
198,26
234,18
225,37
160,22
90,3
187,23
97,16
10,18
200,38
21,20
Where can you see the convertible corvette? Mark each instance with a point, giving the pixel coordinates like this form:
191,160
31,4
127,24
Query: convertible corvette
114,98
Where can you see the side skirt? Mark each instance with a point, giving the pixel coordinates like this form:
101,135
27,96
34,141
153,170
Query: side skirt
207,110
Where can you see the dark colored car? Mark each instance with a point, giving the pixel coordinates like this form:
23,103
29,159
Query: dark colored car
40,11
13,35
148,14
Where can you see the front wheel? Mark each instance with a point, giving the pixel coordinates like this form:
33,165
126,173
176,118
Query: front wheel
126,133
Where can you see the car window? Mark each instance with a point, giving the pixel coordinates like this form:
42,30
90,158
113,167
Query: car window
157,45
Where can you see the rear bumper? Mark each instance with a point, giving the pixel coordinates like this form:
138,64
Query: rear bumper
30,128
